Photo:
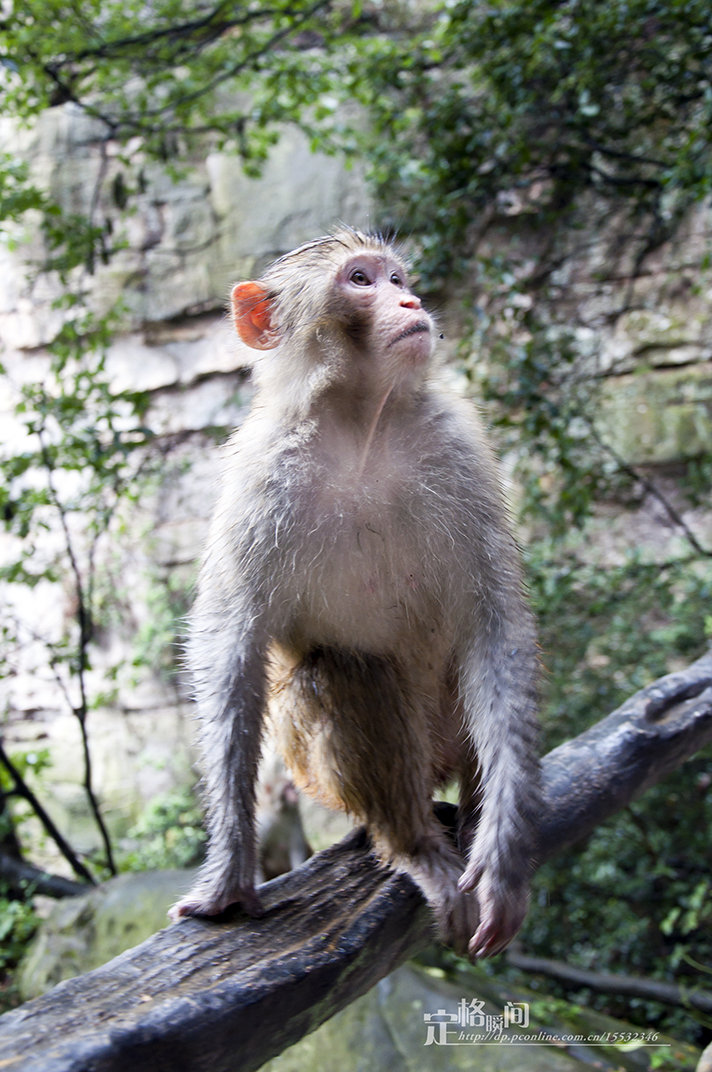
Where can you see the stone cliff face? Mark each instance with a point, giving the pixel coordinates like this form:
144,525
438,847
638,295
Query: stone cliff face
649,330
186,241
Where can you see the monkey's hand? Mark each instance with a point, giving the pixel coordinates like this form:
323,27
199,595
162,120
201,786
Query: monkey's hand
503,906
212,899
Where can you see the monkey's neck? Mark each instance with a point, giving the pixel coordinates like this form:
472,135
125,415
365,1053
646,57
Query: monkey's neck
372,431
337,405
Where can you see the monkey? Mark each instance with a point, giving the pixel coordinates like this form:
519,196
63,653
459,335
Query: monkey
282,843
362,593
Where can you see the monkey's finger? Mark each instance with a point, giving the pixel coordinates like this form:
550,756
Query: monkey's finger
470,877
487,940
499,924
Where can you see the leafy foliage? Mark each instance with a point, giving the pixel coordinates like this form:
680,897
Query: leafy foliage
508,106
18,922
605,633
636,900
78,464
170,72
169,834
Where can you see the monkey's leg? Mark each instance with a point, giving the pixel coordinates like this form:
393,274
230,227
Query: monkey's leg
230,686
364,740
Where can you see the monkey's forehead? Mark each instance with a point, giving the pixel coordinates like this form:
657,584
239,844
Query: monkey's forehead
332,250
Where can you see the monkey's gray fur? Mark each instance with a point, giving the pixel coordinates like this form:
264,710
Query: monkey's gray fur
361,590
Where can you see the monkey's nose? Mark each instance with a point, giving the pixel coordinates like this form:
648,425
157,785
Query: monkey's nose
411,302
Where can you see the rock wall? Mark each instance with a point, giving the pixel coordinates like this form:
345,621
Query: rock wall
649,333
186,239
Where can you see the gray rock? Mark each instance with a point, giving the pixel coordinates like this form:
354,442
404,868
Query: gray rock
83,932
386,1029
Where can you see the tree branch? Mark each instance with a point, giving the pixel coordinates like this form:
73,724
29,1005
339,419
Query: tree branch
22,789
611,983
189,38
191,35
17,876
594,775
651,487
227,996
84,620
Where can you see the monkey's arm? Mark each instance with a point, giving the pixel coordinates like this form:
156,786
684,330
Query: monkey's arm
498,683
227,657
495,662
500,691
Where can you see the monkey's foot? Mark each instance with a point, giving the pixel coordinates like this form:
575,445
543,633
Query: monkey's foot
209,901
436,870
457,916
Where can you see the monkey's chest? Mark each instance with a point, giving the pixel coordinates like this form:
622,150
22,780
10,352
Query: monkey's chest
364,581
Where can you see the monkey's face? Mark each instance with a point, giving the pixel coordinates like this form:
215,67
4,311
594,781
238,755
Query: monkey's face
382,316
341,307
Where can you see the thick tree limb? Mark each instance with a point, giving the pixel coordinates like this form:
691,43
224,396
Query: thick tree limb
594,775
228,996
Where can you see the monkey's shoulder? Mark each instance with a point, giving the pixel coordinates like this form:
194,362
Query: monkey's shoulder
454,419
261,453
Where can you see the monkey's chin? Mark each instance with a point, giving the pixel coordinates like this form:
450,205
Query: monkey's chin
412,354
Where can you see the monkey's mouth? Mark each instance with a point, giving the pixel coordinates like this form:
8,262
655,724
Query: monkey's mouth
421,326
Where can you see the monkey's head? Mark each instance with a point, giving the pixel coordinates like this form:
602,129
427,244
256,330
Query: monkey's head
341,303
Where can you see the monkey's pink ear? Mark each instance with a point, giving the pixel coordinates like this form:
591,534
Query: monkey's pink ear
252,311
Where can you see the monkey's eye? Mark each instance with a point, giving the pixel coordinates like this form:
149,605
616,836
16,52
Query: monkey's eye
396,280
359,277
